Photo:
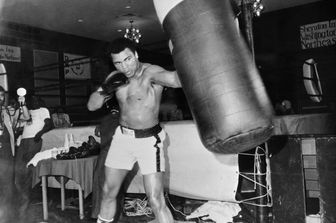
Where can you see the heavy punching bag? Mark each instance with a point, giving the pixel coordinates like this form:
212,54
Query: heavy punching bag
223,88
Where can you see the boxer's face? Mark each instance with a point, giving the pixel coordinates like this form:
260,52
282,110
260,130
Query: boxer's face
126,62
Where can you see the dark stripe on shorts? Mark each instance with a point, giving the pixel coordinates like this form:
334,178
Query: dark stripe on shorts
158,169
158,161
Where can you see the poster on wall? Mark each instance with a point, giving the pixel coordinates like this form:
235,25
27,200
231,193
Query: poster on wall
76,67
10,53
319,34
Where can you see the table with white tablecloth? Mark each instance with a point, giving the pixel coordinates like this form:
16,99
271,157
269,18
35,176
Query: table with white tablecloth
79,171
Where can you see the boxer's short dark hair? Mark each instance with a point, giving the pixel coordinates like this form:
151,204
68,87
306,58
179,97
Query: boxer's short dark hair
119,44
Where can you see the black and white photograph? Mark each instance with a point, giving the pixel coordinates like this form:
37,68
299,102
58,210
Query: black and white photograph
135,111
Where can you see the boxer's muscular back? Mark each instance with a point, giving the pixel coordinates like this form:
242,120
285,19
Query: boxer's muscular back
139,101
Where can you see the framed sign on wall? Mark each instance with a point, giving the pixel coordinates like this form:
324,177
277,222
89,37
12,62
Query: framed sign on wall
76,67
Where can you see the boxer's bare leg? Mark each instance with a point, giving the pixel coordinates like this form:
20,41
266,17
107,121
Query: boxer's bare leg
154,190
113,181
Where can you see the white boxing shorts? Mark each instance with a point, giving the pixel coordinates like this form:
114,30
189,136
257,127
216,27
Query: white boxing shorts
144,146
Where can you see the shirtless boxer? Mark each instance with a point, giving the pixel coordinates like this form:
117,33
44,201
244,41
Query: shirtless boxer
139,96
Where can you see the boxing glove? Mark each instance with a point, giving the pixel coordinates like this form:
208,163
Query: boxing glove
112,83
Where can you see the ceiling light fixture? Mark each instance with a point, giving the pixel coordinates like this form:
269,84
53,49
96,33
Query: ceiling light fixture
257,7
132,33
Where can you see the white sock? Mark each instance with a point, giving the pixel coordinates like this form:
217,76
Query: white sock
102,220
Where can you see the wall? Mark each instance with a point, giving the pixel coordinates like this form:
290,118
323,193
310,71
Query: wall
280,57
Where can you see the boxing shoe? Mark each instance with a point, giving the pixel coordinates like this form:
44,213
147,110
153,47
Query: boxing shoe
89,148
94,146
92,141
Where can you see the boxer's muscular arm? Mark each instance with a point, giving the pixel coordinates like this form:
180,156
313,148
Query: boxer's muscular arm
163,77
106,91
96,101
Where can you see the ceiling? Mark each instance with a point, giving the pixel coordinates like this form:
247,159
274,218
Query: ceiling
100,19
